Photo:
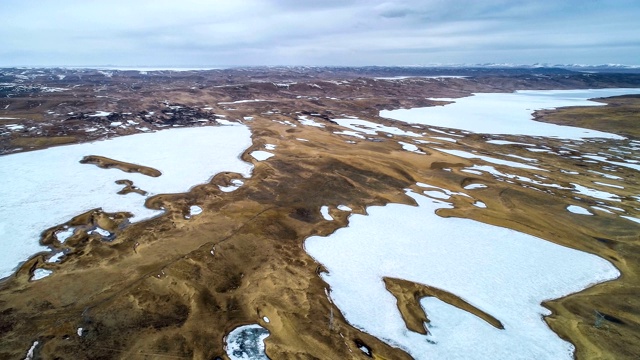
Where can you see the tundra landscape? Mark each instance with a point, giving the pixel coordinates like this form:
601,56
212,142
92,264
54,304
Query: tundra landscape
319,213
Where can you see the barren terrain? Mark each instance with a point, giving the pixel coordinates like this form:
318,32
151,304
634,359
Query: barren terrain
174,286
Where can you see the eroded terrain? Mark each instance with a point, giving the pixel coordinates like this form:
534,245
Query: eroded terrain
176,285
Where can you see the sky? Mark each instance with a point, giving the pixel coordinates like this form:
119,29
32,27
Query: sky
201,33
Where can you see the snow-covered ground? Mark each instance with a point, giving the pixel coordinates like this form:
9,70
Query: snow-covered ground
44,188
509,113
500,271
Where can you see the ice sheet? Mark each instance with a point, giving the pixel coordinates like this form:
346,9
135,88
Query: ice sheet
509,113
503,272
48,187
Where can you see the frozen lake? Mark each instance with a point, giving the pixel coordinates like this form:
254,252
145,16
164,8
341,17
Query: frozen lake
500,271
509,113
48,187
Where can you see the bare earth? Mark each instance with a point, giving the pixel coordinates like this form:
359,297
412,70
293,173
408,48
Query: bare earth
172,287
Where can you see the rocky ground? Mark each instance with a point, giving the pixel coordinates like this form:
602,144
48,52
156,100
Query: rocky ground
175,285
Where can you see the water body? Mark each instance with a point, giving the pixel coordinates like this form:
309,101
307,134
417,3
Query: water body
48,187
247,343
498,270
510,113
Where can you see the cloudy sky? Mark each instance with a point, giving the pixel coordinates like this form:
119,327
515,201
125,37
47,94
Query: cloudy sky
320,32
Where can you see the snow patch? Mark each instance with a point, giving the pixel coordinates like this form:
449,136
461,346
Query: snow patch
40,274
324,210
578,210
261,155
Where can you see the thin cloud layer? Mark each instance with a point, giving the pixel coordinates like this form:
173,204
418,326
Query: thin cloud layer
332,32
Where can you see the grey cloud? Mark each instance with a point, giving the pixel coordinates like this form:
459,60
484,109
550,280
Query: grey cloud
353,32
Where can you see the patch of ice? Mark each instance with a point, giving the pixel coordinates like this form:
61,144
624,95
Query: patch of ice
597,194
270,147
79,331
608,176
14,127
619,163
410,147
601,209
505,142
195,210
286,122
324,210
248,118
609,185
226,122
498,174
365,350
569,172
509,113
441,132
480,204
503,272
30,352
344,208
634,219
445,139
63,235
475,186
304,120
240,102
115,123
521,157
247,343
538,150
301,139
261,155
613,208
56,257
101,114
371,128
471,171
52,89
26,210
468,155
40,274
102,232
578,210
266,319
